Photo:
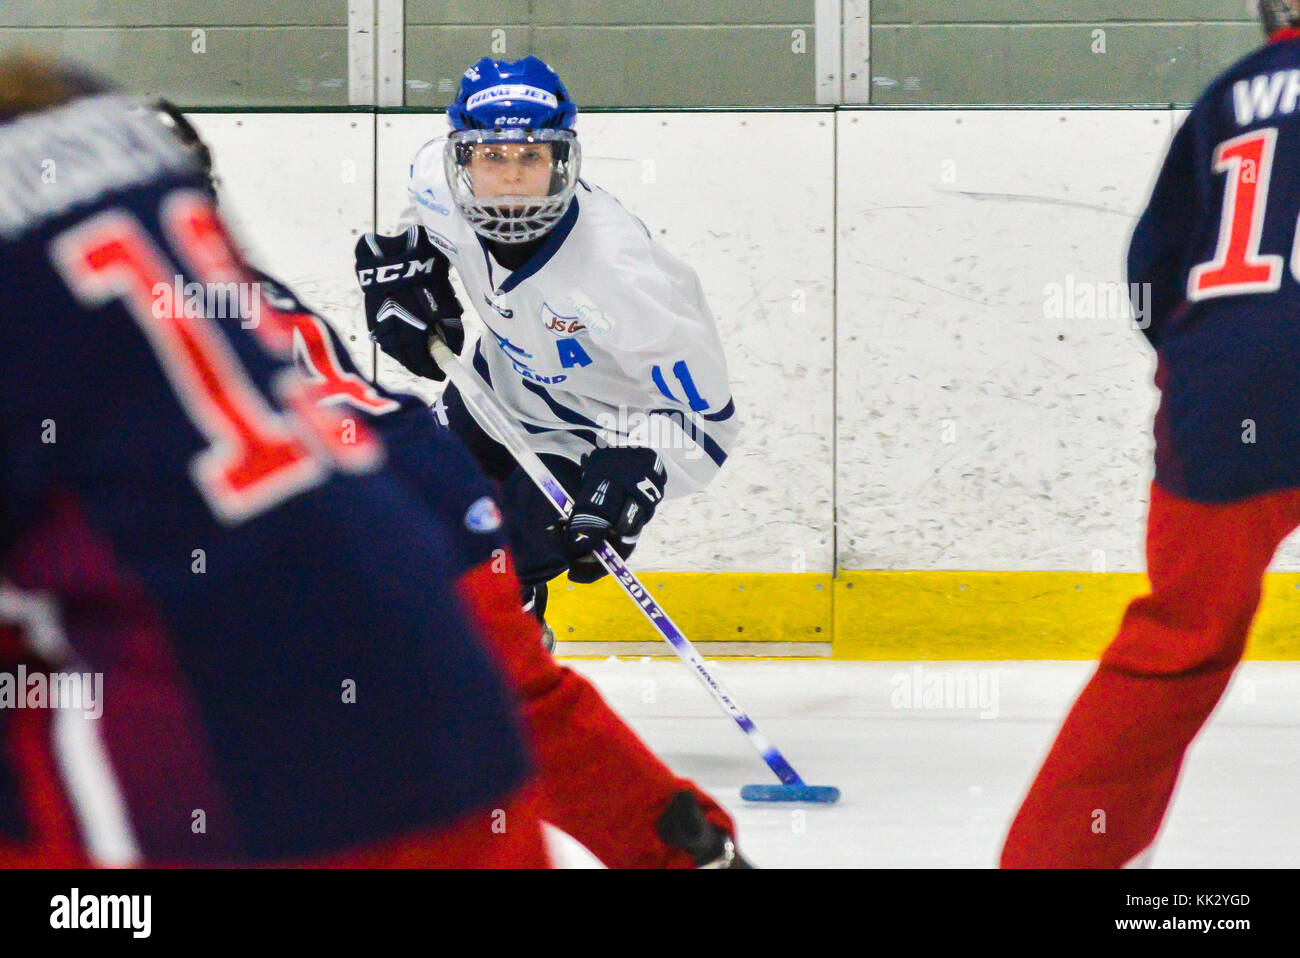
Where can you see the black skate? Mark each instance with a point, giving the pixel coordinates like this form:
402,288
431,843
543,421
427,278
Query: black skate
683,825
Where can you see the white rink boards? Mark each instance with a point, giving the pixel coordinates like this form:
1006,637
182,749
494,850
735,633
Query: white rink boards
882,282
298,189
703,184
978,431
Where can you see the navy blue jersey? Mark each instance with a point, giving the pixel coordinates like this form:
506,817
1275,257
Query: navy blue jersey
435,463
1217,245
268,596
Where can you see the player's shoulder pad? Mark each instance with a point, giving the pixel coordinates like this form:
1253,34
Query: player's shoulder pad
627,273
426,166
614,240
428,183
604,210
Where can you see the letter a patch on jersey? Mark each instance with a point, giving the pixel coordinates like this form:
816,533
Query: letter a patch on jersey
572,353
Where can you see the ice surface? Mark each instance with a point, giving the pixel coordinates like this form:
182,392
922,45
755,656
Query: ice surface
927,781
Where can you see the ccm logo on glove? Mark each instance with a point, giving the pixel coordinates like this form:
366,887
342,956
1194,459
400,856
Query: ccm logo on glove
392,271
408,295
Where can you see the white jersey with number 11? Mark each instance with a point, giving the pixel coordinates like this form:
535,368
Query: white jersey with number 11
601,338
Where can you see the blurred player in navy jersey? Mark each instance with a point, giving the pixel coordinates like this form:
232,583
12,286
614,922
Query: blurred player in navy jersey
598,781
289,676
1218,247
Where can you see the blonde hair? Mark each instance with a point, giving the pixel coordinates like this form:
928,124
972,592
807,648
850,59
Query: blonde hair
30,83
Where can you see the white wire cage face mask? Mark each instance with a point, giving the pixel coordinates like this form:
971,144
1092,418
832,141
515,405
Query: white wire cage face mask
512,185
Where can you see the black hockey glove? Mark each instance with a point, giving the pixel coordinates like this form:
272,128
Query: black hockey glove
620,488
407,288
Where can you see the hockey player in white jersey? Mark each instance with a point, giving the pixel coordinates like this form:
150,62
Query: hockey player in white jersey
599,341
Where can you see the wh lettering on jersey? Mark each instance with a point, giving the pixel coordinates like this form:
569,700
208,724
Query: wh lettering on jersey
80,691
242,301
75,910
1260,97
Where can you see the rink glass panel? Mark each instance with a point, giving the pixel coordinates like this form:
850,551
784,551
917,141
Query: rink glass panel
647,53
623,53
1105,52
195,52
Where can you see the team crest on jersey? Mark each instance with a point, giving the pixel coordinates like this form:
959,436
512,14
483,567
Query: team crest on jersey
517,355
483,516
581,307
562,325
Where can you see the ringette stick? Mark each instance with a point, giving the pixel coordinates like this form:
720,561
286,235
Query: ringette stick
494,419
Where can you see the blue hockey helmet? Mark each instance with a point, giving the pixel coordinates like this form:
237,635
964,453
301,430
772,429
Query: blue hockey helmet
512,158
497,94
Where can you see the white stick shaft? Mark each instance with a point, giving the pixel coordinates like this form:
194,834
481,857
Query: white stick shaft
489,413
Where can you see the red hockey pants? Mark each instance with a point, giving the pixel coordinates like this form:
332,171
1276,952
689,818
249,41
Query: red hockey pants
1102,792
